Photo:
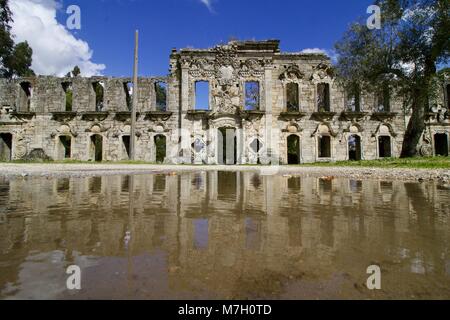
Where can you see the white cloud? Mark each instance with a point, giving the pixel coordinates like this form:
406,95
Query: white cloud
330,53
55,50
313,50
208,4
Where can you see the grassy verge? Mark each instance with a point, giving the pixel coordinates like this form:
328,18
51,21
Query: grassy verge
413,163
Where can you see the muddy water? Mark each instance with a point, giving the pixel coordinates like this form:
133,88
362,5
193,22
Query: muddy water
223,235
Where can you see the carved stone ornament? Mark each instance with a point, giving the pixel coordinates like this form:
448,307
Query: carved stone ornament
227,99
322,71
439,114
252,68
292,73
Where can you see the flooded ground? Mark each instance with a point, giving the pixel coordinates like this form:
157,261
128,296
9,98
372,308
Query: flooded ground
223,235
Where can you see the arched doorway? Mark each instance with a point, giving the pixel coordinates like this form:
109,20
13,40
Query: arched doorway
126,145
96,148
354,148
227,146
384,147
324,147
5,147
441,144
293,149
161,148
64,147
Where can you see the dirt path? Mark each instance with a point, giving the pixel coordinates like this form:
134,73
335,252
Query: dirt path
83,170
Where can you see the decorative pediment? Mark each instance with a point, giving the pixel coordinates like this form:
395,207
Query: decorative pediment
158,115
384,116
224,122
64,129
353,116
292,73
23,115
63,116
385,129
292,127
95,116
323,116
9,117
125,115
252,68
324,129
438,115
97,128
292,115
159,127
322,71
354,128
201,68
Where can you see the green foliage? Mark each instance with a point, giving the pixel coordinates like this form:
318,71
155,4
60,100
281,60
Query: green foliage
15,59
252,96
19,62
161,96
412,163
402,55
69,99
76,71
99,92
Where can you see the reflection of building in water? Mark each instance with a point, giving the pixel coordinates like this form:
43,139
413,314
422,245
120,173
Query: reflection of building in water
237,226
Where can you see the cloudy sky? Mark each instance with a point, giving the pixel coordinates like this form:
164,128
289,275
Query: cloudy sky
104,44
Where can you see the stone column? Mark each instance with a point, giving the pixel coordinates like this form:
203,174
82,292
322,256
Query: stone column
185,140
271,141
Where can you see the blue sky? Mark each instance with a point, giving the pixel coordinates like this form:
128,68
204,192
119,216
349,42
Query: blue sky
108,26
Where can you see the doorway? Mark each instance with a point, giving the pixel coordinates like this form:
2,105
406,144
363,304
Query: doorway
293,149
227,146
384,147
65,147
97,147
354,148
5,147
441,144
126,147
161,146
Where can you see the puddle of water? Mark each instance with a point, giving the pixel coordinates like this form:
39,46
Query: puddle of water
223,235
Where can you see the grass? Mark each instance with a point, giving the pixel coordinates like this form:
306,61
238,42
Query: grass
412,163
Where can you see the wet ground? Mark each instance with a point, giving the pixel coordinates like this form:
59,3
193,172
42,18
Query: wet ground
223,235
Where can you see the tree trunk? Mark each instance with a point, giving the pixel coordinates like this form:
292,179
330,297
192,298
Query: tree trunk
416,127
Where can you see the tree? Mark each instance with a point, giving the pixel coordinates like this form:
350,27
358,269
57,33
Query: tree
74,73
161,96
403,55
15,59
19,62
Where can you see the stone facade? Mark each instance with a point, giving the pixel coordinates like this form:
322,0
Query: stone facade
296,113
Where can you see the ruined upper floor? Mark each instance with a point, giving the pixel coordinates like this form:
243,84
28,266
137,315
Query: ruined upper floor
226,79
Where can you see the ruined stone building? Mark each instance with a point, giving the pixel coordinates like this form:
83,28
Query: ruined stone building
239,103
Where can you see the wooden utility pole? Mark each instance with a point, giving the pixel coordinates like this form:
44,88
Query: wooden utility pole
135,99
